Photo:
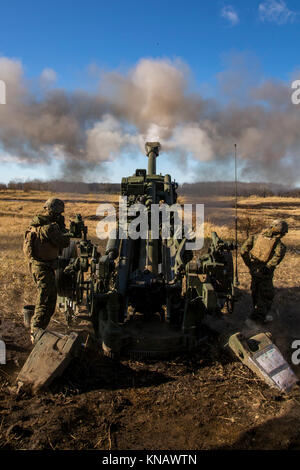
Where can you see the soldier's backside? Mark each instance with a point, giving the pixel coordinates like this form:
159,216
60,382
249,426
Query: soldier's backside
262,253
44,240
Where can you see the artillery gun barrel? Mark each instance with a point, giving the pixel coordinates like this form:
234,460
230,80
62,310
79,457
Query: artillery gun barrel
152,163
152,152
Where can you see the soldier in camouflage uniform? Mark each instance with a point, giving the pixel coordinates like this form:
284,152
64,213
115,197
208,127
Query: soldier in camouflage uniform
50,237
262,254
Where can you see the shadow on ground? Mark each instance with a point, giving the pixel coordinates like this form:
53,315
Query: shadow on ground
281,433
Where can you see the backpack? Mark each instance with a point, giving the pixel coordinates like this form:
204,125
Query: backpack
37,244
29,240
263,248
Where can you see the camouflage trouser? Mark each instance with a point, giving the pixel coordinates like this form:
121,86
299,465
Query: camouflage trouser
262,294
44,277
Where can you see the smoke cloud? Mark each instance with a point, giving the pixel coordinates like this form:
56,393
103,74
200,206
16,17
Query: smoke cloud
155,100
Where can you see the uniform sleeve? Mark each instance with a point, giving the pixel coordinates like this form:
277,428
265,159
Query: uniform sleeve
278,255
246,248
55,236
61,223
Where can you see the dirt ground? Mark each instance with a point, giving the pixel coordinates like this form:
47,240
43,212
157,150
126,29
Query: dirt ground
204,401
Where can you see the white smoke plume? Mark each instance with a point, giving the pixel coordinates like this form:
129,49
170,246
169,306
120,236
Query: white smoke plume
152,101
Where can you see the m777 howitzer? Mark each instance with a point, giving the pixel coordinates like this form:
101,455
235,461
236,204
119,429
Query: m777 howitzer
147,297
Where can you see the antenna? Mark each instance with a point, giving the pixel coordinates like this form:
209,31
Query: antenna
236,278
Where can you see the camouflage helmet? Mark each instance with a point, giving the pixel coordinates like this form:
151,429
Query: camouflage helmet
279,226
55,205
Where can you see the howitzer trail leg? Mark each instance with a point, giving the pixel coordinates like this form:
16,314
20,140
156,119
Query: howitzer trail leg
263,357
48,359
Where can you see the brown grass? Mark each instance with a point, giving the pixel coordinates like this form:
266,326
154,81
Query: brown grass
17,209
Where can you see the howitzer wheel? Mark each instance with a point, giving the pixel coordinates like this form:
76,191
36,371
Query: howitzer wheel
65,282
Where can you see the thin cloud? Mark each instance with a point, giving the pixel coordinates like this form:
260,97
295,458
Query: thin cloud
276,11
48,76
230,14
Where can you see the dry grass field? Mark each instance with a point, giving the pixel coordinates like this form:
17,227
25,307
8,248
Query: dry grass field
206,401
16,211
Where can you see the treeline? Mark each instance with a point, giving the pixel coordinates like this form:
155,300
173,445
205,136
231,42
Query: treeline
210,188
57,186
227,188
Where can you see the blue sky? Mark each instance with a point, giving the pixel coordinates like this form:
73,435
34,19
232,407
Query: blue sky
69,36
